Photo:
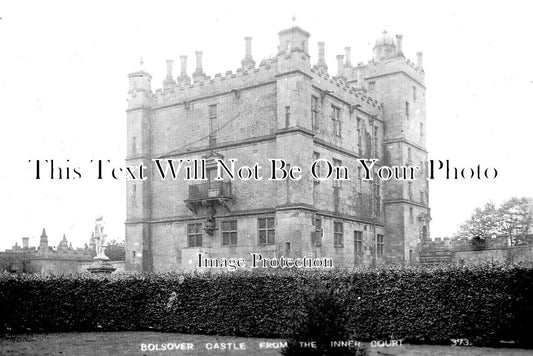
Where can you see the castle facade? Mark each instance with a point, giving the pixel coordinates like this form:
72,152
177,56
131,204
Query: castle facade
283,108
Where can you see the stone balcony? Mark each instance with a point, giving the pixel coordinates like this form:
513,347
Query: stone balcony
209,194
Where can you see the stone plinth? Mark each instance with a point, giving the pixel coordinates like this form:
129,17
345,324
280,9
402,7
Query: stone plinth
100,265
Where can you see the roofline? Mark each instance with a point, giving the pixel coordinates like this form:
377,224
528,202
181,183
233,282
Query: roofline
293,29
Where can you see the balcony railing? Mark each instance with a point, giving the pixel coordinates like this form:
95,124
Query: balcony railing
210,190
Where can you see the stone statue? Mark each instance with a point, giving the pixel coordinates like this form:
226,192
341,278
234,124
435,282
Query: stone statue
100,263
99,239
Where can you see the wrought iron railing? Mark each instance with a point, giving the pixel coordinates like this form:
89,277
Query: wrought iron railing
210,190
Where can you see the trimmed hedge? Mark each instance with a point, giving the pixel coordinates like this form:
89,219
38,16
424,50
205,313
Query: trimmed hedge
484,304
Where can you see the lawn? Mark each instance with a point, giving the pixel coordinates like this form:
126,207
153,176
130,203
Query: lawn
143,343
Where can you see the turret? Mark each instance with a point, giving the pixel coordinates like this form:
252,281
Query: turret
140,81
43,246
294,39
63,244
139,152
384,47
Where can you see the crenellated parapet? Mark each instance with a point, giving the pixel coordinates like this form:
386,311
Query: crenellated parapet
267,72
395,64
292,57
344,91
230,82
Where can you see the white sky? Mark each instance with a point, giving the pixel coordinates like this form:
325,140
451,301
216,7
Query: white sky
63,90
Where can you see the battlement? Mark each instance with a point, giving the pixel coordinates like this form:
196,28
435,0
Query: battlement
267,72
346,92
230,82
288,60
453,244
395,64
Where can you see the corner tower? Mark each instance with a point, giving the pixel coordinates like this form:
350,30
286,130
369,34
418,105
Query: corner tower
139,205
399,84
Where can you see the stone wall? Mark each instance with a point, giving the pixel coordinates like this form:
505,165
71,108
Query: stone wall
516,254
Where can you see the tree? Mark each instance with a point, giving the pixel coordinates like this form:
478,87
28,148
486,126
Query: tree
115,251
14,262
512,218
516,218
482,224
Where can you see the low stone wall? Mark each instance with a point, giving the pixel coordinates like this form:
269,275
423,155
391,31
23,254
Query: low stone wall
515,254
48,266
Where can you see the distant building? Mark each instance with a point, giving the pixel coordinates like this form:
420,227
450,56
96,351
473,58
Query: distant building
46,260
290,109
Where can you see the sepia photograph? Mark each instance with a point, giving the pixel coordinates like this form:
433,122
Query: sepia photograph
266,178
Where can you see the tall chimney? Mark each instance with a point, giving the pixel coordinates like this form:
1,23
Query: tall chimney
399,40
248,61
340,66
169,68
169,82
184,78
419,59
321,64
348,53
25,244
198,73
248,44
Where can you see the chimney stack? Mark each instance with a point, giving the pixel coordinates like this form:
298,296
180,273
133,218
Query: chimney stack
198,73
419,59
184,78
348,53
169,68
198,60
321,64
25,244
169,82
248,61
399,39
340,66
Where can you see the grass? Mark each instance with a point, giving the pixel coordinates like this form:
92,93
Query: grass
129,343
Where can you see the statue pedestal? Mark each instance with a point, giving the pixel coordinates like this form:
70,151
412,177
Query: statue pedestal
100,265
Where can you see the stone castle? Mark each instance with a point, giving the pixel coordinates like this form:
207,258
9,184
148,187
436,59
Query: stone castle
284,107
48,260
44,259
